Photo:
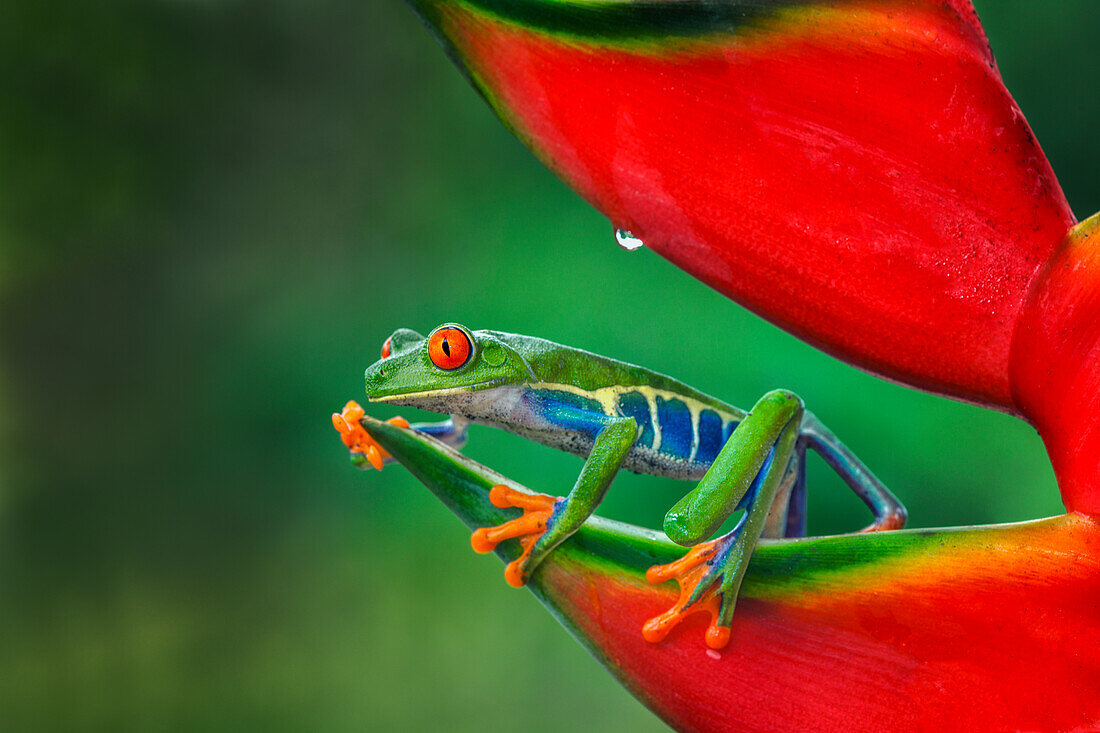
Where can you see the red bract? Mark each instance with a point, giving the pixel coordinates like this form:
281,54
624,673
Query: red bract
855,172
971,629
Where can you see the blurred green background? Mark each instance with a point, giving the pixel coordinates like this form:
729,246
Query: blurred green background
211,215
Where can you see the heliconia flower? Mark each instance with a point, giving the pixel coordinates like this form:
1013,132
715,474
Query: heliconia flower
974,629
854,171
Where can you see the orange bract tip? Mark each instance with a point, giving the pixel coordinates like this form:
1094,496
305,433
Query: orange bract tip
399,422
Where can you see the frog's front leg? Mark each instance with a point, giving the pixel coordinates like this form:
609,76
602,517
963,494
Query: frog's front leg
365,451
450,432
746,474
547,521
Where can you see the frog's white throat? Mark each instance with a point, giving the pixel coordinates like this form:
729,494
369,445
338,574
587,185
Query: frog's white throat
484,402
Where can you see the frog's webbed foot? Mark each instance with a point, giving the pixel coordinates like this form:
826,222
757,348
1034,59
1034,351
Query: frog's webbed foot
529,528
709,582
888,522
365,450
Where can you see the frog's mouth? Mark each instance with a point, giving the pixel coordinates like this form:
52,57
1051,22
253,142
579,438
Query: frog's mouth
444,394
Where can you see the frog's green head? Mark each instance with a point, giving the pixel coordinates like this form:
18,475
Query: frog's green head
444,369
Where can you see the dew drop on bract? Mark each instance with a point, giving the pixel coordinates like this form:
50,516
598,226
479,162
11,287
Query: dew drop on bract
627,240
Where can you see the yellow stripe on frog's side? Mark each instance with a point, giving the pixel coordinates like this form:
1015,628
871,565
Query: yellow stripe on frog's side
609,400
651,402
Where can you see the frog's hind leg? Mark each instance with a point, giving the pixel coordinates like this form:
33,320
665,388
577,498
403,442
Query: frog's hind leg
889,512
746,474
796,503
787,517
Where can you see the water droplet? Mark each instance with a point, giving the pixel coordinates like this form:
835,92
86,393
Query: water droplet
627,240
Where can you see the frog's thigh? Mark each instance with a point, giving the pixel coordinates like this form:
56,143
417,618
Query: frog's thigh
775,526
727,483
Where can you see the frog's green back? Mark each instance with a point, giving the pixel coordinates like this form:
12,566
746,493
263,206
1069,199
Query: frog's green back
554,363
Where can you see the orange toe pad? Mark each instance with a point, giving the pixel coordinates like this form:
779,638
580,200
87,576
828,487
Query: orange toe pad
355,436
689,571
528,528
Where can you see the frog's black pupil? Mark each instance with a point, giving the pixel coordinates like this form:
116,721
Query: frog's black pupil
446,347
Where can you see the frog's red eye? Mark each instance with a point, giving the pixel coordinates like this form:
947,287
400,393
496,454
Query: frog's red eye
449,348
387,348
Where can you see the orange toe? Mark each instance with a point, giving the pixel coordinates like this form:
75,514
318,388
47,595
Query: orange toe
355,436
689,571
527,528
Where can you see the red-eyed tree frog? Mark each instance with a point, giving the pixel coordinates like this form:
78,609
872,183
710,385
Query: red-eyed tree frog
616,415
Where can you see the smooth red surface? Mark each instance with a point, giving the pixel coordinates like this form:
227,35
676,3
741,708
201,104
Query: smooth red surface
861,178
1056,366
998,633
858,175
